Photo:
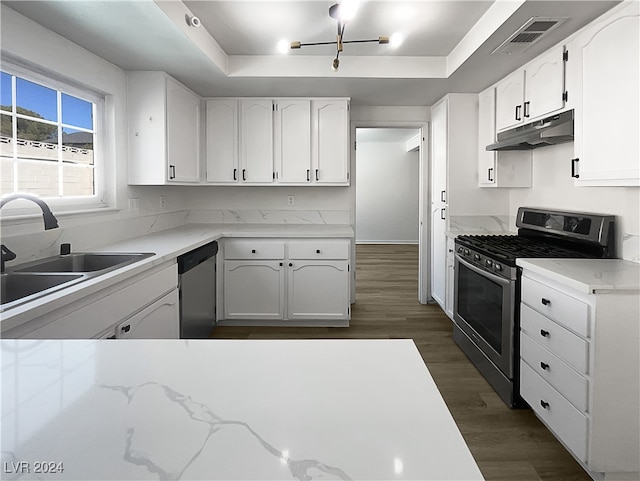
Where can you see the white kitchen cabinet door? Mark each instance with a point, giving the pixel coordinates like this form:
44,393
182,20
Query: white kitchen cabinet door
544,84
439,152
450,278
254,290
292,137
510,101
164,130
486,136
160,320
607,119
183,133
318,290
256,141
330,142
222,141
439,255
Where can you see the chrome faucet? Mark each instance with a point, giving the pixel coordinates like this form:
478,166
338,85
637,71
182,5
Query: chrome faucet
50,221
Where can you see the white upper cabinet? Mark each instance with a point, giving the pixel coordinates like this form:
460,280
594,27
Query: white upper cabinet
293,141
164,130
222,141
277,141
256,141
604,63
498,169
531,92
331,142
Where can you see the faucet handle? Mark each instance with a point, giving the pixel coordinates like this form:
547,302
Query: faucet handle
65,249
7,255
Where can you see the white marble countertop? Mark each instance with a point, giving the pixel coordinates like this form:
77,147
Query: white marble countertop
588,275
219,409
166,246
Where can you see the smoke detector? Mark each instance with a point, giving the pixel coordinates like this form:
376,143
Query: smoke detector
533,30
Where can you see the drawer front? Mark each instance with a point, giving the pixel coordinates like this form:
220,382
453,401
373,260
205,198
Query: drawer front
254,249
319,249
556,372
568,424
560,341
566,310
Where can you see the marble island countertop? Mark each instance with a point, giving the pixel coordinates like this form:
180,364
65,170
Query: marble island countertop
588,275
166,245
214,409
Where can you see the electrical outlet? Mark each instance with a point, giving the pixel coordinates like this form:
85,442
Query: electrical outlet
134,205
163,202
291,200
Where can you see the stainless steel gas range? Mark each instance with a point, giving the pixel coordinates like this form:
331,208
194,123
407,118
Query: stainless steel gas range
487,284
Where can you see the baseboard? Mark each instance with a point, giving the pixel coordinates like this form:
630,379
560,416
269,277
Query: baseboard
385,242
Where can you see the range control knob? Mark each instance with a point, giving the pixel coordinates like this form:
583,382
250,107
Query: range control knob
489,262
466,252
476,257
497,267
459,250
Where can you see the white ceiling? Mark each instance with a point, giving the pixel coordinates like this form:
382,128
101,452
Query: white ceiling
447,47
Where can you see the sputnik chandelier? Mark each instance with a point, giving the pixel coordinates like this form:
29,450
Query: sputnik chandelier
342,13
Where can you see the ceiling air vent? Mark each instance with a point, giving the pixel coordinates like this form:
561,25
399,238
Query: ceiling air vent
533,30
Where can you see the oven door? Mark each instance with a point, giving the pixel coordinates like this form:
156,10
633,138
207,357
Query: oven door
484,308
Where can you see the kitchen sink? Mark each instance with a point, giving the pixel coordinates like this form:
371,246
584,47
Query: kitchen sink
82,262
24,286
29,281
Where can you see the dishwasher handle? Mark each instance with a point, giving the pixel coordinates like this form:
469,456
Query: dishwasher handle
194,258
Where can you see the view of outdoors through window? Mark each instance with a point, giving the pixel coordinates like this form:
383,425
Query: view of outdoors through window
46,140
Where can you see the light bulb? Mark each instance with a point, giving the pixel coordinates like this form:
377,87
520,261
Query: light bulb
396,39
284,46
348,9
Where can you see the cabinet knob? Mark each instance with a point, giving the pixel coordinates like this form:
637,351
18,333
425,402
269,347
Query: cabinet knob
317,251
126,328
253,251
290,264
544,333
544,365
281,264
544,404
545,302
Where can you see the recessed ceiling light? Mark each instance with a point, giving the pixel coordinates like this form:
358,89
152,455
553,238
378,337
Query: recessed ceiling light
284,46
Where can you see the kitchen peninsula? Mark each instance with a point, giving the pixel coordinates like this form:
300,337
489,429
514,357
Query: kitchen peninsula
342,409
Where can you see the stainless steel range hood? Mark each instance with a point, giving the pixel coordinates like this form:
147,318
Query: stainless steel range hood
556,129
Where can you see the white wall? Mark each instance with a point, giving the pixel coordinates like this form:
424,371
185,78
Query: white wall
387,198
553,187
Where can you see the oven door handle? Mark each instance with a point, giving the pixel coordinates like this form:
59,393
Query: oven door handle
497,279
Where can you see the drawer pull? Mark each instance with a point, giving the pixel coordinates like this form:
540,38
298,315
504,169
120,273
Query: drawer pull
317,251
544,404
253,251
544,365
544,333
545,302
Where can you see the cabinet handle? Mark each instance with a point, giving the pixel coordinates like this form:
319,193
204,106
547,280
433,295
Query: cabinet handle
442,214
526,109
490,174
253,251
244,174
544,365
317,251
126,328
308,175
235,174
281,264
544,404
290,264
545,302
443,197
172,172
574,163
518,107
544,333
317,170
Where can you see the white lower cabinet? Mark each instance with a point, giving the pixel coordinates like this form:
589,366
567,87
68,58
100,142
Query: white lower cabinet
157,321
450,278
285,281
141,300
579,370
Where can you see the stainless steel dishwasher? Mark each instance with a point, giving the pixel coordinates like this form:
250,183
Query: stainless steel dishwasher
197,283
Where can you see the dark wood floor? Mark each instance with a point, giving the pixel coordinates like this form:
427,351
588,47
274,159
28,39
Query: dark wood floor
507,444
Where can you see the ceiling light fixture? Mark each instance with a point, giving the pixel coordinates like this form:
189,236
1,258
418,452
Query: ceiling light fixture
342,13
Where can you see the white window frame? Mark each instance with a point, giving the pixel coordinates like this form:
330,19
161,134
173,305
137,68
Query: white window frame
20,209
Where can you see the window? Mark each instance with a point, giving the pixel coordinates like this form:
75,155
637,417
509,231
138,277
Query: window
48,138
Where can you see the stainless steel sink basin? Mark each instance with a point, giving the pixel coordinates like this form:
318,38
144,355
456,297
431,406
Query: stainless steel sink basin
29,281
82,262
24,287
